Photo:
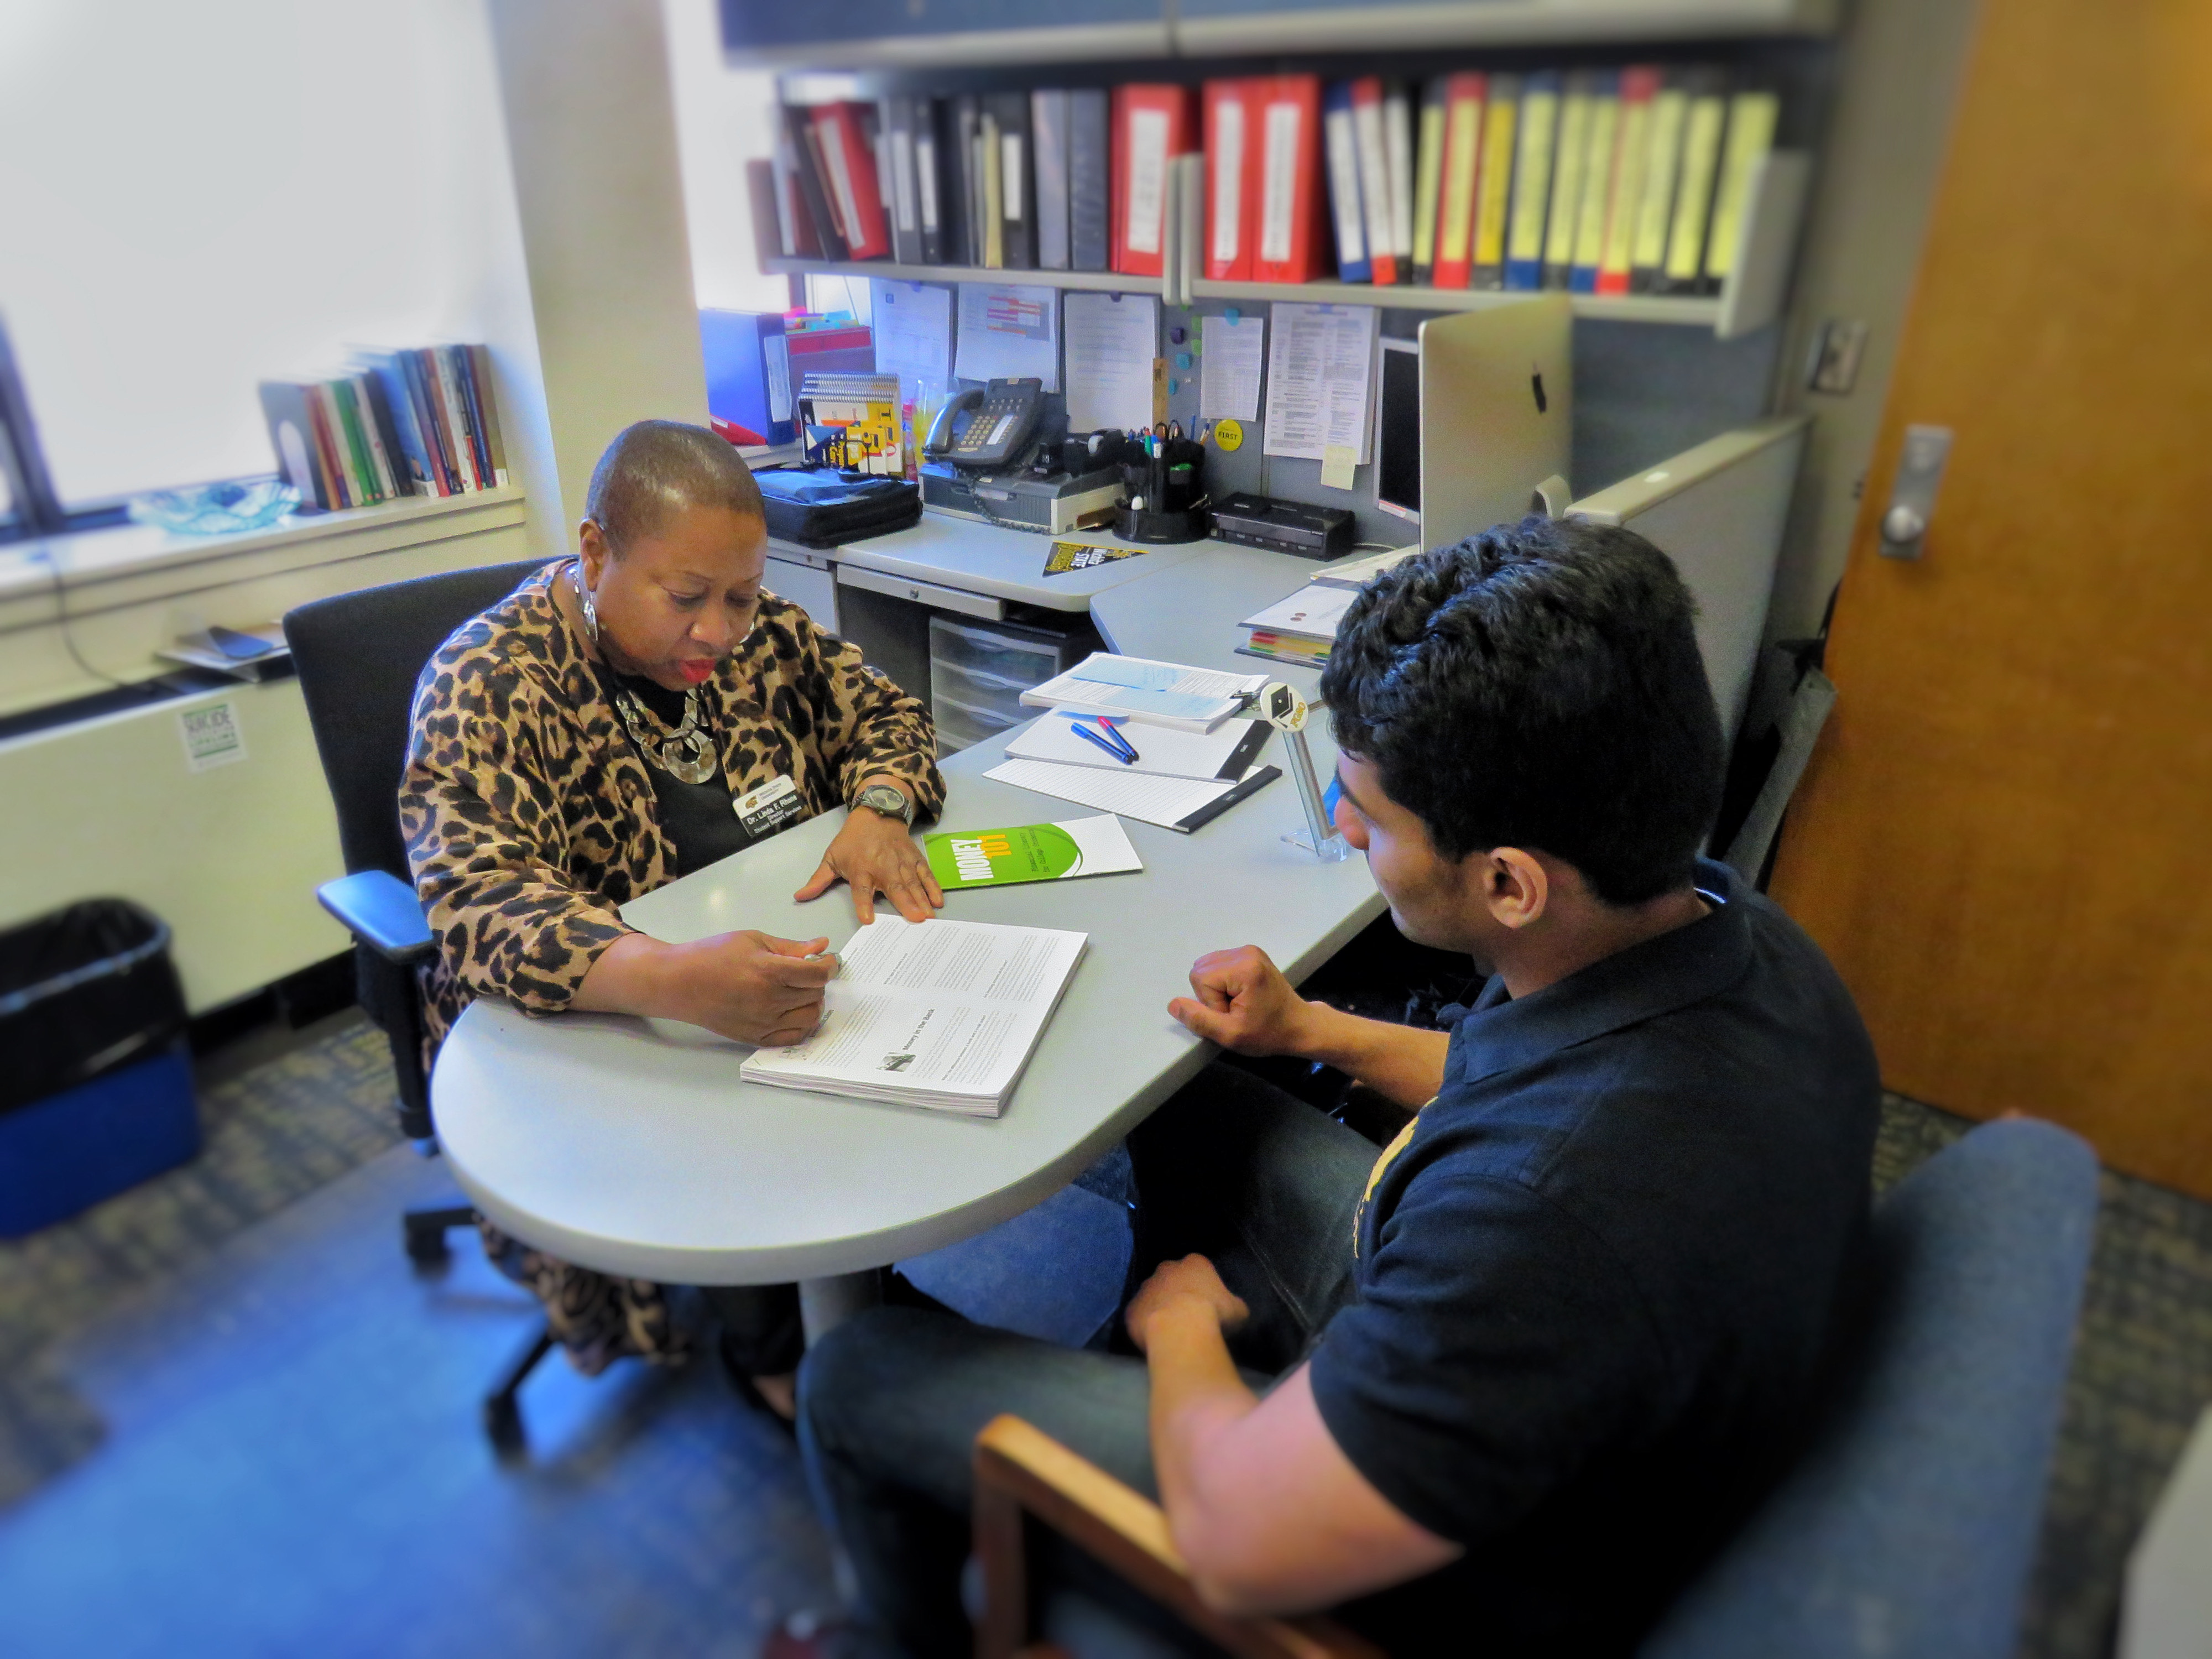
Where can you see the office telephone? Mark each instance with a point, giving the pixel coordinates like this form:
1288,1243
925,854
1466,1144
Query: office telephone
987,429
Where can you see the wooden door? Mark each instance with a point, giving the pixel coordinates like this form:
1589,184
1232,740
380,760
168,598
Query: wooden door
2005,840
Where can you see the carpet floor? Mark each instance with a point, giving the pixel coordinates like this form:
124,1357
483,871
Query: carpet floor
233,1420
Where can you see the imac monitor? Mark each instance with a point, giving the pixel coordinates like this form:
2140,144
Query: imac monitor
1497,413
1398,431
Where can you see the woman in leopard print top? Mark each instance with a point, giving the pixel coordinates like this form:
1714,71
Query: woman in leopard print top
584,741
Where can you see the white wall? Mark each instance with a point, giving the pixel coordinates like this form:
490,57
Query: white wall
592,139
724,119
199,197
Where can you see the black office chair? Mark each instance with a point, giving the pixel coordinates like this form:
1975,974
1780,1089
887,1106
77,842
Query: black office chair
358,657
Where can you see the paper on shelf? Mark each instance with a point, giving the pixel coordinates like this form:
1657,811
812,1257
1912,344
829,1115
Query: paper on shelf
1009,332
1111,340
912,324
1230,356
1321,371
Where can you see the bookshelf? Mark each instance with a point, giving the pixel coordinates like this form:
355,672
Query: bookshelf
1752,298
906,34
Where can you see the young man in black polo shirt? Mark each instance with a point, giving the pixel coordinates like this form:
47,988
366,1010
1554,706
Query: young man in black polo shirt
1529,1365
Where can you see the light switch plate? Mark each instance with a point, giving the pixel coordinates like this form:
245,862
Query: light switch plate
1836,352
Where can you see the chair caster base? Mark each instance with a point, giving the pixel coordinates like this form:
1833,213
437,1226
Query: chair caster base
423,1233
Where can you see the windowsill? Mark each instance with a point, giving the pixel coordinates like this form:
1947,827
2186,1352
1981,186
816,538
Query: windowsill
89,558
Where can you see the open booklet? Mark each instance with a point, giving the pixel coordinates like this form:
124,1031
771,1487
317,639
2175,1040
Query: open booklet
937,1014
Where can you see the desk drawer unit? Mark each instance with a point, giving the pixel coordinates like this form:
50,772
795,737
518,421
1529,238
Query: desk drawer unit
977,676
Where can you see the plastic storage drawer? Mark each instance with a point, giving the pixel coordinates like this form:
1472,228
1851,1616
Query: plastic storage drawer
960,726
1008,658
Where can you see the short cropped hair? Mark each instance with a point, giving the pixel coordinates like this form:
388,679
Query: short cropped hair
1539,686
655,469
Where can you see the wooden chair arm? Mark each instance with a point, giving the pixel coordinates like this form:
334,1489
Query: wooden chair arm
1020,1467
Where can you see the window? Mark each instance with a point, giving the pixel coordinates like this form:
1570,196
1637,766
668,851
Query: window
201,197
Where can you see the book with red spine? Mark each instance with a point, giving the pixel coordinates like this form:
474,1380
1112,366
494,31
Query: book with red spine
848,160
1289,220
1465,95
1153,123
1639,87
1231,118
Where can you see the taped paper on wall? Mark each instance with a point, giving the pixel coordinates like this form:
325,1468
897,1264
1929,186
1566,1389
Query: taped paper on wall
1320,377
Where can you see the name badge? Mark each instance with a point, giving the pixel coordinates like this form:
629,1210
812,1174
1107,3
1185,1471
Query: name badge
770,808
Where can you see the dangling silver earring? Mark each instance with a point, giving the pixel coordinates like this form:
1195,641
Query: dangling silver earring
591,611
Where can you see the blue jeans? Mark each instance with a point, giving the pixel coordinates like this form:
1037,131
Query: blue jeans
889,1403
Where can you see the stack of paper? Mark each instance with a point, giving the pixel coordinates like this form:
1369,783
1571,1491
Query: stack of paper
1221,756
1156,693
939,1013
1179,804
1300,629
1354,573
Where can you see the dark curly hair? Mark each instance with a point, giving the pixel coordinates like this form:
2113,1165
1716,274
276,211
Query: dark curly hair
1538,686
655,468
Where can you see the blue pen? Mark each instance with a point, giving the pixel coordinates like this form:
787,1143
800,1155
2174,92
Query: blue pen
1091,736
1113,730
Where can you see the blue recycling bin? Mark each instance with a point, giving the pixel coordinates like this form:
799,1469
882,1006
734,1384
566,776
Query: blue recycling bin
95,1084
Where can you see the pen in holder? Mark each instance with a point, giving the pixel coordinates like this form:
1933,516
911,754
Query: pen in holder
1285,710
1163,474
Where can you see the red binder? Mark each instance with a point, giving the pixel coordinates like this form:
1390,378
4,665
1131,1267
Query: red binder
848,156
1152,124
1290,205
1233,111
1464,98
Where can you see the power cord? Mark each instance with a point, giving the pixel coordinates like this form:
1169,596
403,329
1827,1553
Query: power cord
62,619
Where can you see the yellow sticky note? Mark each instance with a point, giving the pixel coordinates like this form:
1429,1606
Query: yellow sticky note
1337,461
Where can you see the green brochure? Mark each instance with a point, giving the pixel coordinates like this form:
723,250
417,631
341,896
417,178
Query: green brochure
1030,852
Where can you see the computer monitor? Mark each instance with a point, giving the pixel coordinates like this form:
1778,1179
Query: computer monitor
1498,413
1398,431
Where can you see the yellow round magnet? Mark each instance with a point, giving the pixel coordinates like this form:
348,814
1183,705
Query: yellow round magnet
1229,435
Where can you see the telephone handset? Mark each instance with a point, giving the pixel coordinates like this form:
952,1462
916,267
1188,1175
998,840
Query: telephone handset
987,429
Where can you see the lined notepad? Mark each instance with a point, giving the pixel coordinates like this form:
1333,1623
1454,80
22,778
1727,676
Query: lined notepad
1178,804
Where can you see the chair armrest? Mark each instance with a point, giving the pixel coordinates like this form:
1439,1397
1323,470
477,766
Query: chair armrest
1020,1467
382,912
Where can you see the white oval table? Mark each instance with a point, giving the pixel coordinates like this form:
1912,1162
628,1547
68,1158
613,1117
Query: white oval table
631,1146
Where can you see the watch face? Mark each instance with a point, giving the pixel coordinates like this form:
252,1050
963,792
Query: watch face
884,799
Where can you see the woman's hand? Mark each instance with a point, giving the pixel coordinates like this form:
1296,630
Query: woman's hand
876,854
750,987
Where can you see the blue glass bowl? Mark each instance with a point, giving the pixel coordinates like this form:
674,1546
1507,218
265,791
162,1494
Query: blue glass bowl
220,509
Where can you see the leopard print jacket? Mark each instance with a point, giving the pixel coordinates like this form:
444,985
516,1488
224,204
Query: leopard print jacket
530,818
528,813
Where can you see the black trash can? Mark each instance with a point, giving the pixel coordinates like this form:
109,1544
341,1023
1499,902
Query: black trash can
96,1083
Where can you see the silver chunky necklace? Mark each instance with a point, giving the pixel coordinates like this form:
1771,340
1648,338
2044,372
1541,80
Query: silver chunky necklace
687,753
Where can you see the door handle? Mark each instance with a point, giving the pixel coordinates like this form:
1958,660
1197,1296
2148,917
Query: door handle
1912,492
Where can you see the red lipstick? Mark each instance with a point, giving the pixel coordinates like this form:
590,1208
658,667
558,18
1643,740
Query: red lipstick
697,670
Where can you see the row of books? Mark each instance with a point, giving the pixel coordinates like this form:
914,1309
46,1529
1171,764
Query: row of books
1601,182
1598,181
415,422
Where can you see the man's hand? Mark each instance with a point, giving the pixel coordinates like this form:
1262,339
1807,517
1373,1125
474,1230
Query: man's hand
1244,1004
876,854
754,986
1174,1286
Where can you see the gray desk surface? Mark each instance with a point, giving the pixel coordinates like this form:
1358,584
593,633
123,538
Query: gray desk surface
630,1146
1007,564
